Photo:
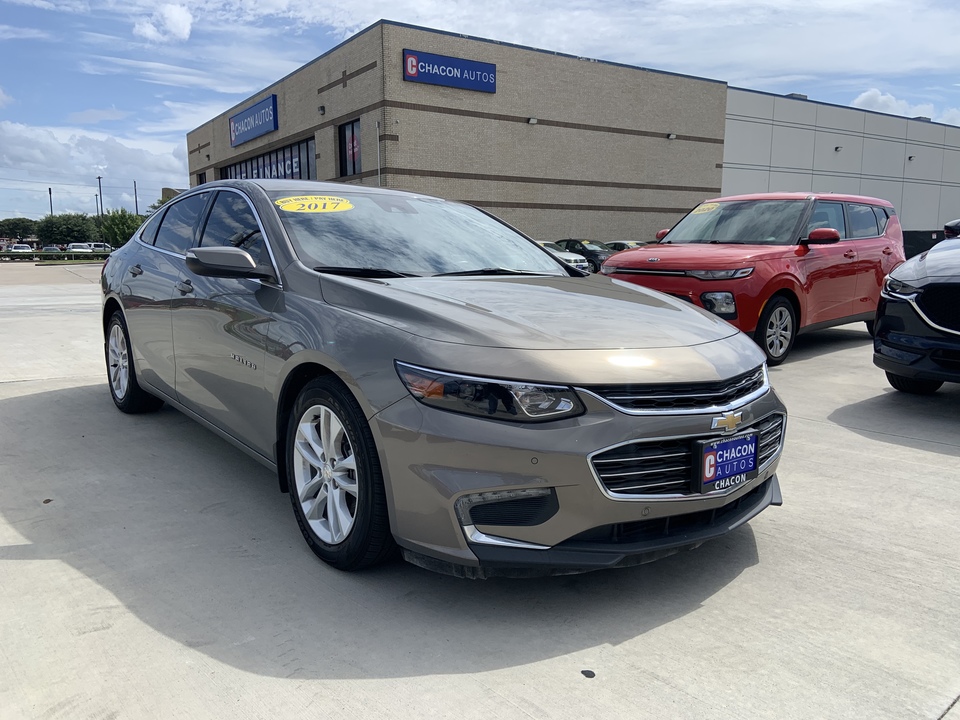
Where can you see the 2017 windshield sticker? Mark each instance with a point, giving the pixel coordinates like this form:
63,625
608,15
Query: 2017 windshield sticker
314,204
705,208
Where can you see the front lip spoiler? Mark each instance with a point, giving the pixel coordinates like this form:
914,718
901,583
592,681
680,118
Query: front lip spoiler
580,557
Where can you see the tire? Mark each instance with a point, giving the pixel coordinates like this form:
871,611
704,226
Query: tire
776,330
914,386
126,392
594,266
871,325
337,494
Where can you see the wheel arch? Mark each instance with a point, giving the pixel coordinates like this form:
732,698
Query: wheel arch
787,290
110,306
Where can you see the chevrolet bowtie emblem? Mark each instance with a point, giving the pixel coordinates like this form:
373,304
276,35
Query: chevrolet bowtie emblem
728,421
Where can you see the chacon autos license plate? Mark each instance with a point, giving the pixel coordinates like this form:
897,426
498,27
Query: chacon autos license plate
727,462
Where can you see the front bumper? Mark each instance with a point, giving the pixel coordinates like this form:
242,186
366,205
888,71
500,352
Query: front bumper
907,346
432,458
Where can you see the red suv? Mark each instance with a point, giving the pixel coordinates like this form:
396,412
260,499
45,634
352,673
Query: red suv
774,264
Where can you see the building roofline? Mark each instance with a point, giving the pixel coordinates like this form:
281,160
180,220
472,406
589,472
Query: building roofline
842,107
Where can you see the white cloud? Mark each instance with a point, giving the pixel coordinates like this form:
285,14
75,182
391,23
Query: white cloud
169,22
874,99
92,117
8,32
4,98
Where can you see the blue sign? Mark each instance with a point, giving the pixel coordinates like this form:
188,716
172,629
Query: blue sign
450,71
254,121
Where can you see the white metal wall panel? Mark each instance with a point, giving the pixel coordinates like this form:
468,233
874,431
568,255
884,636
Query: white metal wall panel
792,148
749,142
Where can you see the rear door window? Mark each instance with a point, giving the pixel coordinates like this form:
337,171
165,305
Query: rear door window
863,221
177,230
881,218
828,215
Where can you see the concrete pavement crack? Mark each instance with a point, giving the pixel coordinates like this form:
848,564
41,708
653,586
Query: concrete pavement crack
949,708
873,432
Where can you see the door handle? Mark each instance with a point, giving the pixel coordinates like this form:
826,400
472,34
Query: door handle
850,254
185,287
887,251
136,270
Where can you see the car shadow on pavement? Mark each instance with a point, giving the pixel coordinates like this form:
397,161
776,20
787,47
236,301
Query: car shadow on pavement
195,540
930,422
815,345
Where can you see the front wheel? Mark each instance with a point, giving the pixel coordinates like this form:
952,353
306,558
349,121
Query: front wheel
335,479
871,325
776,330
594,266
914,386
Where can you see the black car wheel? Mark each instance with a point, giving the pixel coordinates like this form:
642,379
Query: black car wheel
126,392
870,326
335,479
914,386
594,266
776,330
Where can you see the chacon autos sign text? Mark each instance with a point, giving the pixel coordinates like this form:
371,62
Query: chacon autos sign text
450,71
254,121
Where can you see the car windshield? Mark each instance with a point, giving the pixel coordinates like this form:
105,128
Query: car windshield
744,222
598,246
404,234
552,246
79,246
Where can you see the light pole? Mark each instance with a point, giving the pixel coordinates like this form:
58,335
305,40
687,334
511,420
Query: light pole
100,186
136,202
50,193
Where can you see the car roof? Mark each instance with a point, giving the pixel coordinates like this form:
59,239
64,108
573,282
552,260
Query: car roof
803,196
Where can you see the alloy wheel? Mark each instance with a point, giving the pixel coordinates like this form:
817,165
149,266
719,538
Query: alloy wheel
779,332
119,362
325,474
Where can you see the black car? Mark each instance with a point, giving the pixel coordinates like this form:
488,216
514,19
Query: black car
621,245
917,329
595,252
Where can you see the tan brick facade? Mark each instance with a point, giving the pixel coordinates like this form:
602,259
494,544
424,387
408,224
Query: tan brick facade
598,162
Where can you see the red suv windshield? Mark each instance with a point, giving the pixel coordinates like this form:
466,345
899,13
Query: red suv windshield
746,222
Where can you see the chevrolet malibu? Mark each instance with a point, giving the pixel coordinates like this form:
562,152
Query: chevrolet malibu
774,264
408,367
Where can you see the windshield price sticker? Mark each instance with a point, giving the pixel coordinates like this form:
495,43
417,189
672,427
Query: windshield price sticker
727,463
314,204
705,208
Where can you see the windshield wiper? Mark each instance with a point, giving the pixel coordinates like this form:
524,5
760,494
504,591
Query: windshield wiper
490,271
363,272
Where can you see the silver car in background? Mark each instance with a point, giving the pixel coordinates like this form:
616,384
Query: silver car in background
418,375
577,261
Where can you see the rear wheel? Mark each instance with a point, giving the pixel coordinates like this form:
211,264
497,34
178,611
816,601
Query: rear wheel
914,386
126,392
335,479
776,330
870,326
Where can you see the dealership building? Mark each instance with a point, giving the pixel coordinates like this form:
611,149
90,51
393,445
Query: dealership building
562,146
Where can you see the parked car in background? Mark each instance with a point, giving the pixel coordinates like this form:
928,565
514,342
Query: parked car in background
595,252
20,248
951,230
401,403
774,264
79,247
917,331
621,245
50,248
578,261
100,247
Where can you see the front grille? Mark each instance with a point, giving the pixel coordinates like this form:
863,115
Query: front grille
941,303
682,396
665,467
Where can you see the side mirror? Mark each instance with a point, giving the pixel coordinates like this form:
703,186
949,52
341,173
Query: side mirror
661,234
223,262
822,236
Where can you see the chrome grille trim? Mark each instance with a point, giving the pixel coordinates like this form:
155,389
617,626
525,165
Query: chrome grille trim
771,429
742,382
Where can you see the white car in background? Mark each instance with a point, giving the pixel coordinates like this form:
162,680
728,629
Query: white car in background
20,248
79,247
578,261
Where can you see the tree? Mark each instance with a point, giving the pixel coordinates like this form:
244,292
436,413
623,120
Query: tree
118,226
66,228
157,204
20,227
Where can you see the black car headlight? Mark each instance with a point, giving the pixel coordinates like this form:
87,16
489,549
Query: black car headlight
898,288
484,397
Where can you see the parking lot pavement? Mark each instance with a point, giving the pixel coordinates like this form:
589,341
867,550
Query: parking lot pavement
149,570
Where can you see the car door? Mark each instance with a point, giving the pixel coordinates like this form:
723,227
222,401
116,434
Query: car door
874,250
220,327
148,289
829,271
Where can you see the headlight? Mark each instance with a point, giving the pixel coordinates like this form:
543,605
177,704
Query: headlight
892,286
608,270
720,274
498,399
720,303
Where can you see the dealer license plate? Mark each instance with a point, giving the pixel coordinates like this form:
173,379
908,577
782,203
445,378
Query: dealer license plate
728,462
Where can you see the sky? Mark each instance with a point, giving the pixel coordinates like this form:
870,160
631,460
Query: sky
110,88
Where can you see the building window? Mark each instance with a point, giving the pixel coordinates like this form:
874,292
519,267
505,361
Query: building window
350,148
201,178
294,162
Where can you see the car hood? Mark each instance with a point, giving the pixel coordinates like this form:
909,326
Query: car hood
941,261
688,256
529,312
